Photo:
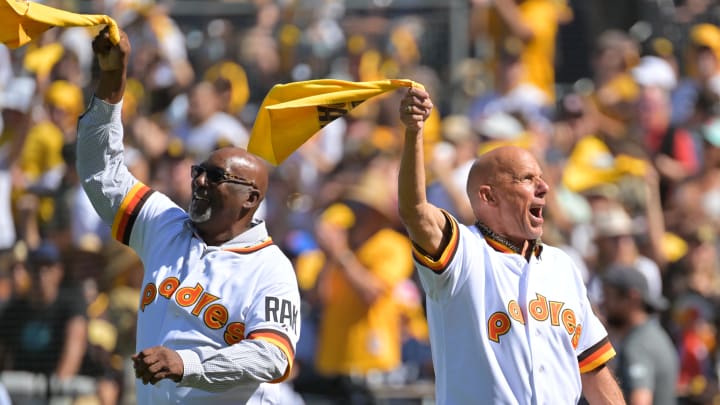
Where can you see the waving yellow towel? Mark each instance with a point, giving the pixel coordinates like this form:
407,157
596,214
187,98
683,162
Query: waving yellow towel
21,21
292,113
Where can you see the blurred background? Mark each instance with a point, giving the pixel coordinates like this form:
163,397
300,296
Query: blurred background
618,99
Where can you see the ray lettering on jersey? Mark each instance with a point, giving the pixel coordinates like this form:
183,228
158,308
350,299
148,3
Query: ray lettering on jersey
281,311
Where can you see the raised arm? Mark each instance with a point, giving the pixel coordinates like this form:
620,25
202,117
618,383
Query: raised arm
113,61
425,223
100,152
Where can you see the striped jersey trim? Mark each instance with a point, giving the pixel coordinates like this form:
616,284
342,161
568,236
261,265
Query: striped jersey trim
280,340
128,212
594,357
503,245
440,264
499,246
250,249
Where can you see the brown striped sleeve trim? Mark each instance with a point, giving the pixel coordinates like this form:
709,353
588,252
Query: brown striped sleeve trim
597,355
438,265
128,212
280,340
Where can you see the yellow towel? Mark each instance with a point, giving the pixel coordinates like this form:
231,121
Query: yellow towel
23,21
292,113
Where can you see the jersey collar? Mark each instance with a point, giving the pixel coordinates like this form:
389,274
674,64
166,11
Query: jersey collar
503,245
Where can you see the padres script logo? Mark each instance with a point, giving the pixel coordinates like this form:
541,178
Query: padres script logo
216,316
541,310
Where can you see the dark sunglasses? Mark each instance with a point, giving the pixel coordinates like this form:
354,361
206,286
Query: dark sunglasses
216,175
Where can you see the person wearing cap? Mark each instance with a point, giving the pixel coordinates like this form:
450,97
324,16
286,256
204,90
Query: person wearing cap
615,53
207,126
701,62
672,149
45,331
41,162
615,241
492,287
647,361
367,261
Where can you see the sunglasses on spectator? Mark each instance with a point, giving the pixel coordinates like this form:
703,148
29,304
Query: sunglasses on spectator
216,175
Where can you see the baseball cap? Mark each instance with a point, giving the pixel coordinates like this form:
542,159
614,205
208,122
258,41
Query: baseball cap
45,253
613,221
705,35
628,278
499,126
655,71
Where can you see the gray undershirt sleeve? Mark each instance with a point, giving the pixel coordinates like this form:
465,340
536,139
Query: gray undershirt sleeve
250,360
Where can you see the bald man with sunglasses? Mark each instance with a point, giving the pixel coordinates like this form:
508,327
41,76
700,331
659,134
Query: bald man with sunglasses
218,318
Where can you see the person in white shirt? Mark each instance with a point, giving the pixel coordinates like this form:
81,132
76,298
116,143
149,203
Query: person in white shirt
219,313
509,318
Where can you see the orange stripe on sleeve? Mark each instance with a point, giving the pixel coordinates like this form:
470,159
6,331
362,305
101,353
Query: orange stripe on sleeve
596,356
440,264
129,208
281,341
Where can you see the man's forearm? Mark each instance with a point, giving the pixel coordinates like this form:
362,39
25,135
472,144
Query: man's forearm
111,85
221,369
411,178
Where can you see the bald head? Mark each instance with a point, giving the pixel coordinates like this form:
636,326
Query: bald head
227,188
490,167
239,162
492,171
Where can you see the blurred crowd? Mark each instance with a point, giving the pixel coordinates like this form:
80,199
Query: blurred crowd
631,151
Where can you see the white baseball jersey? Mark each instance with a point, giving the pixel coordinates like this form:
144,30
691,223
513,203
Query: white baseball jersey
507,330
199,300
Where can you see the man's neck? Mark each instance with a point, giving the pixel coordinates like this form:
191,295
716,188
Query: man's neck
503,244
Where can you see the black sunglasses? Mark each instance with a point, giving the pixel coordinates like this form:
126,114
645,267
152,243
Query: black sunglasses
216,175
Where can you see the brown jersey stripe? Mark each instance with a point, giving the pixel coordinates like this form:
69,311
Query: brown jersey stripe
439,265
499,246
243,250
129,210
276,336
280,340
596,355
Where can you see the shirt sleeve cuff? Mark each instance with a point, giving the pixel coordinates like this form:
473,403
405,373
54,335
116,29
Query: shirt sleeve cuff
101,111
192,367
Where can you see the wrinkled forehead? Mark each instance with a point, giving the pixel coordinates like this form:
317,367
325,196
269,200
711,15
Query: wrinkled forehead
518,165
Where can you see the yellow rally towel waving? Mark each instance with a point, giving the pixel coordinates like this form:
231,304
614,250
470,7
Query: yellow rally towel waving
21,21
292,113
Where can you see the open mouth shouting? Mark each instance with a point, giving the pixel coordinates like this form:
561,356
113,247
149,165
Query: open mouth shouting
536,214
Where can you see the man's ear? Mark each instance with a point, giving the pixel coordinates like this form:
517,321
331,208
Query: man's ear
253,199
486,194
